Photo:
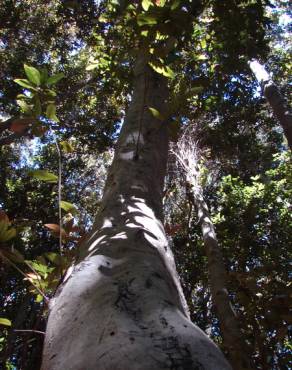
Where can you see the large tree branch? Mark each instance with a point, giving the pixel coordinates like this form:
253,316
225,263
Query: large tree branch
280,109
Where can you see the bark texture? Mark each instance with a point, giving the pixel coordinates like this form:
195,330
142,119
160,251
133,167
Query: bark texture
232,335
280,109
122,307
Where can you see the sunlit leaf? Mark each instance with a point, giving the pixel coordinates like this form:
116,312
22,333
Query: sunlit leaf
32,74
163,70
43,175
160,3
92,66
67,206
146,20
39,298
5,322
24,83
146,4
55,78
24,106
66,147
156,114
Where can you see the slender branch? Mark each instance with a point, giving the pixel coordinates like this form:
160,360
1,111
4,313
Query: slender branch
30,331
23,274
59,193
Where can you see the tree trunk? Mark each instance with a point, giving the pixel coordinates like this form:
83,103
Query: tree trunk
122,307
231,332
280,109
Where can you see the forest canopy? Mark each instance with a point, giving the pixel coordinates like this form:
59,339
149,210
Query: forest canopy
67,73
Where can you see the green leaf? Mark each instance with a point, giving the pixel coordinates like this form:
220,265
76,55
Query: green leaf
163,70
51,112
43,175
5,322
24,83
161,3
156,114
175,4
9,234
37,106
67,147
201,57
146,4
50,92
67,206
55,78
24,106
44,75
92,66
32,74
39,298
146,20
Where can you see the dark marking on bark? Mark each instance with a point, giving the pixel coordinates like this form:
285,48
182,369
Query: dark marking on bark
126,300
112,333
101,336
103,354
178,356
157,275
148,283
53,356
132,340
168,302
163,321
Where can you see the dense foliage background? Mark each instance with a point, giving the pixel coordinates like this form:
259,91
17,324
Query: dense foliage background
62,113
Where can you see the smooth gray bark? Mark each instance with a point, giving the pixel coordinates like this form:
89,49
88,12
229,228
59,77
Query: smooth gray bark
122,307
232,335
280,109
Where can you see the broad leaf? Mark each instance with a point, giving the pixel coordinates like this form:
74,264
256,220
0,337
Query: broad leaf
146,20
67,147
51,112
146,4
24,83
67,206
92,66
55,78
44,175
156,114
24,106
32,74
5,322
163,70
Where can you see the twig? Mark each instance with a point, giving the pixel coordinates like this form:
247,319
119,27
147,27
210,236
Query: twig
30,331
59,193
23,274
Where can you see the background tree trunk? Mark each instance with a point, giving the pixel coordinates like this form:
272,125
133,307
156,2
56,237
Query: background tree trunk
231,332
122,307
280,109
